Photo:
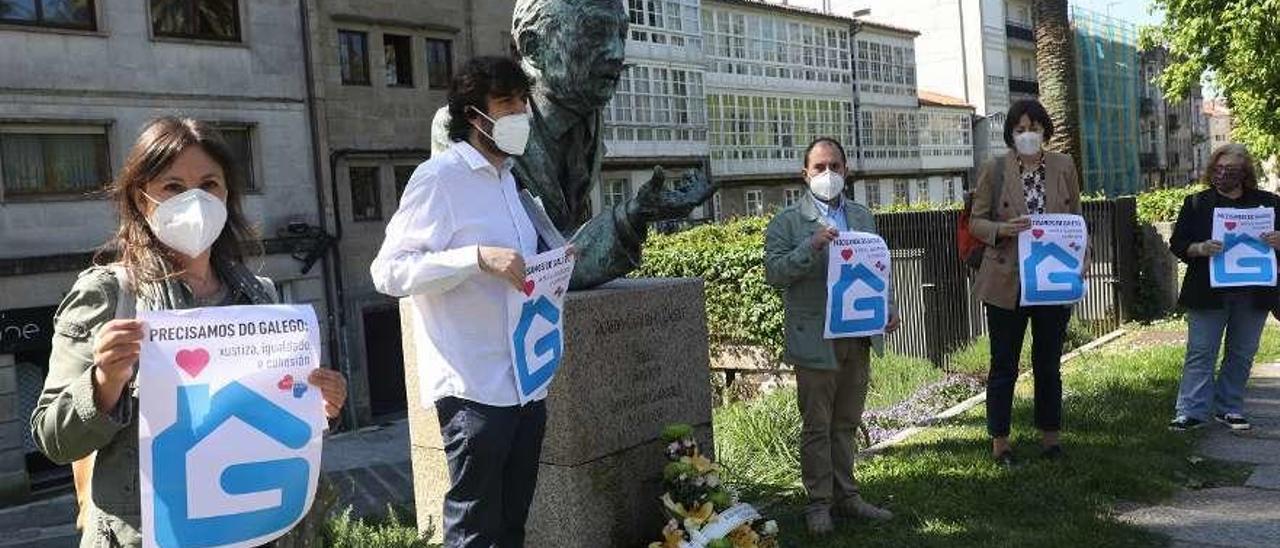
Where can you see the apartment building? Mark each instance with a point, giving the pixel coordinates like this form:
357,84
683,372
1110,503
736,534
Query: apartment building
1175,132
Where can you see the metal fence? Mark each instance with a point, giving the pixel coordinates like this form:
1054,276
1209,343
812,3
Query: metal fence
939,311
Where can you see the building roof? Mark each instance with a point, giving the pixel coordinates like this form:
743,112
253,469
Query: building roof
801,10
931,99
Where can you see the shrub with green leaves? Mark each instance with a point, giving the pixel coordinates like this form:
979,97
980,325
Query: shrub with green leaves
1162,205
392,531
729,257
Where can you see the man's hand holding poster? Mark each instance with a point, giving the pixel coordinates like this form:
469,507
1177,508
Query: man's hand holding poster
858,278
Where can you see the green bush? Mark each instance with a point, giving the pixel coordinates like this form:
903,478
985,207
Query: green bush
729,257
343,531
1161,206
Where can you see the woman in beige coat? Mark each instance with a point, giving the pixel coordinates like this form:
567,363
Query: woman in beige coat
1028,180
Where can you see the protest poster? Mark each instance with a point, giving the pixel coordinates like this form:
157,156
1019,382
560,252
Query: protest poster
536,319
1051,258
1245,259
229,431
858,278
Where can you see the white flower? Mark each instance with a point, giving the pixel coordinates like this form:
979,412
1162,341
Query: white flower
770,528
713,480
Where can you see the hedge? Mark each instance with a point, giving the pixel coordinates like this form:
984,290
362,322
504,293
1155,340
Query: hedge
741,308
1157,206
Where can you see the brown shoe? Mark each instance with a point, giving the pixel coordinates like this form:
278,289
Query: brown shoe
855,507
819,521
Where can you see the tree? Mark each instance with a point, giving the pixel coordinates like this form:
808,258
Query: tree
1234,42
1056,69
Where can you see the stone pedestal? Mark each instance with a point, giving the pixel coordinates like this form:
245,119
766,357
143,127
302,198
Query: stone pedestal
635,360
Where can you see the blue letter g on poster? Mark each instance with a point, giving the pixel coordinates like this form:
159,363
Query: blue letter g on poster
1040,252
549,344
1246,270
876,305
199,416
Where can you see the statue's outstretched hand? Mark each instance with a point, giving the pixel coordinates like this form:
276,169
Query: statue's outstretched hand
654,202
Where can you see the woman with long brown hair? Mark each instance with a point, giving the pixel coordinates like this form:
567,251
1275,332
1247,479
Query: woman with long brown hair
182,243
1215,314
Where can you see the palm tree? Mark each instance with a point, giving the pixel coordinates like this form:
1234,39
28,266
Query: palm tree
1056,69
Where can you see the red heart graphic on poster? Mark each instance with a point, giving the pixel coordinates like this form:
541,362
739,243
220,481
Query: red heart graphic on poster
193,361
285,383
847,253
1037,233
528,287
1231,225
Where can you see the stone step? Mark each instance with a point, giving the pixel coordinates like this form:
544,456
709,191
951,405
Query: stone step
51,512
61,536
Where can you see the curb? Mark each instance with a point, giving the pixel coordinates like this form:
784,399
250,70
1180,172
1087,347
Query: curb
978,399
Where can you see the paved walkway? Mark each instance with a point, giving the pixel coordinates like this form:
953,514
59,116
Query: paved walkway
1245,516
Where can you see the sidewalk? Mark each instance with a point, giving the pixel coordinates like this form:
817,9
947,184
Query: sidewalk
1245,516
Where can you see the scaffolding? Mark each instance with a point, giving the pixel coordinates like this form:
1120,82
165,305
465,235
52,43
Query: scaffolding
1107,69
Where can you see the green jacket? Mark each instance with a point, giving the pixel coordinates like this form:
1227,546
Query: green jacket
791,264
67,424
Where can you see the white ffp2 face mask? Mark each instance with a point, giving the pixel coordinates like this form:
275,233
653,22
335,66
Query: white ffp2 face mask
510,132
1028,142
190,222
826,185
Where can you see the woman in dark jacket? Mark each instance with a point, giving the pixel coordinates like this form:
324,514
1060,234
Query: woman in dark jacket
1240,312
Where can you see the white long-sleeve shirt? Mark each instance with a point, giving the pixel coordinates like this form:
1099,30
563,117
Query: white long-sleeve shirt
454,203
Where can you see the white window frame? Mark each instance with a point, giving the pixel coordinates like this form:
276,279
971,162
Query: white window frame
791,196
756,196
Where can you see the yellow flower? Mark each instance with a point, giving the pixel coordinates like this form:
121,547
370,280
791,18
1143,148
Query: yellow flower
671,536
702,514
744,537
700,463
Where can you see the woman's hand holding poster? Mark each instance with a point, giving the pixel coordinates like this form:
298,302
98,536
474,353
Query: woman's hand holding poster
230,433
1051,260
1245,259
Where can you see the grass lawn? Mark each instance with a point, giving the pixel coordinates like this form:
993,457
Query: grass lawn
946,492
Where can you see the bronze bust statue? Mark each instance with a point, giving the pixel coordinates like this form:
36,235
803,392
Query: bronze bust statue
574,50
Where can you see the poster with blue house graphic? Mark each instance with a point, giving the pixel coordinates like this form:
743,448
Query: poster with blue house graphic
535,317
858,278
229,432
1245,259
1051,260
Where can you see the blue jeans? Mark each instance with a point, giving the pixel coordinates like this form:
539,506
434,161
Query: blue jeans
493,468
1243,325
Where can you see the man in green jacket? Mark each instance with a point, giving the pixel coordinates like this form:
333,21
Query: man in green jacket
831,375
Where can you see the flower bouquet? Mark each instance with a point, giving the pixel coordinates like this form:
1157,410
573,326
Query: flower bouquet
702,512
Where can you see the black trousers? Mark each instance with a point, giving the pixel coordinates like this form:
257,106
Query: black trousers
493,468
1007,329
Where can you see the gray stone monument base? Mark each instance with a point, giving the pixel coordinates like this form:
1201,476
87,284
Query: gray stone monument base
635,360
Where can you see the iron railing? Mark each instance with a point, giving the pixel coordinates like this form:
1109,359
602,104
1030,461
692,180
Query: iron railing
934,288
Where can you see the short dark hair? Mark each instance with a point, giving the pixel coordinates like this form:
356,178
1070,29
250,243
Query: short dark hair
480,79
828,140
1034,110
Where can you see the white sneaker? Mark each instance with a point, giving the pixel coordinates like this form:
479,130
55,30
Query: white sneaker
1234,421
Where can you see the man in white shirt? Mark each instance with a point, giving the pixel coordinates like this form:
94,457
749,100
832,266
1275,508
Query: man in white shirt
456,246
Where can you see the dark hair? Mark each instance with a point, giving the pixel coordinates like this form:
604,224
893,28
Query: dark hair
480,79
1034,110
828,140
162,140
